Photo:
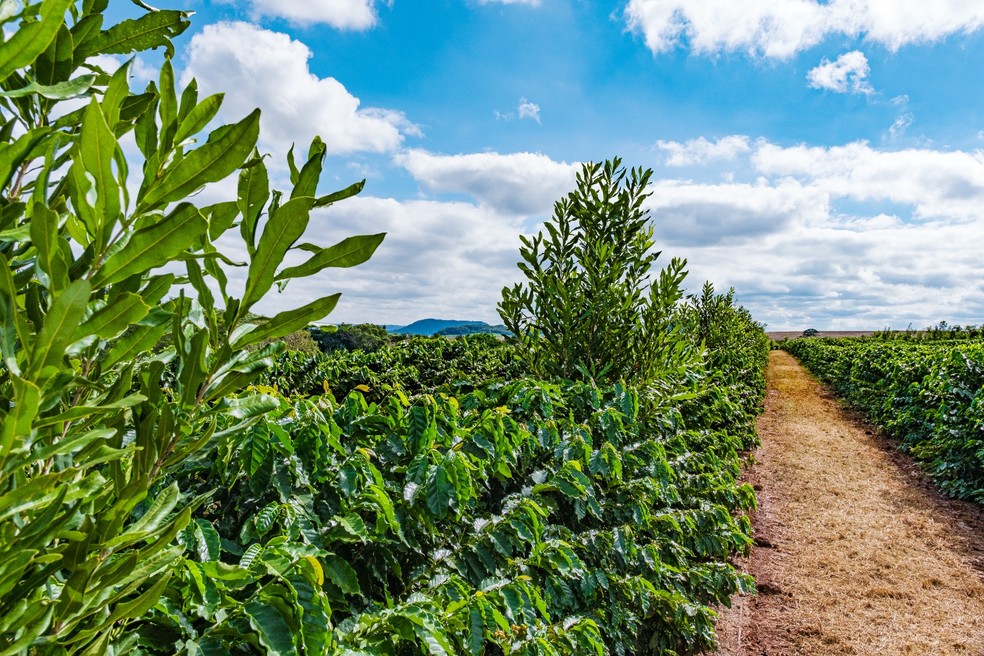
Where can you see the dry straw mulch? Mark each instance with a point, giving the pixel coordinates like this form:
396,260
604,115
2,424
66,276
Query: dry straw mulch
856,552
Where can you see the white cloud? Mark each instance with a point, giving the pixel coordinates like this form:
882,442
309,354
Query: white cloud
341,14
936,184
781,28
848,74
517,183
439,259
900,125
528,109
702,151
260,68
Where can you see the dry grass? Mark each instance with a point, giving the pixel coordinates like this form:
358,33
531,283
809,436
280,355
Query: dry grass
858,554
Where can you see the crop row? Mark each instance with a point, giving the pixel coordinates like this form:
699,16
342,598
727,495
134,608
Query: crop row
929,396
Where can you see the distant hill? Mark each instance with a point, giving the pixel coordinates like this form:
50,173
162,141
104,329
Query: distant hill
473,329
431,327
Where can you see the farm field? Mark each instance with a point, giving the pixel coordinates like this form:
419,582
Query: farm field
196,460
856,552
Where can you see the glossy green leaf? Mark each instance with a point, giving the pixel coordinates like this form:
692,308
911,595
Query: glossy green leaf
339,572
281,231
58,331
289,321
154,245
59,91
97,148
272,629
32,39
349,252
254,191
223,153
152,30
121,313
198,117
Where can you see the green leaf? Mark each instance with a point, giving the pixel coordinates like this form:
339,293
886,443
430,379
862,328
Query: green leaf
44,235
198,117
56,63
348,192
349,252
254,191
13,155
225,151
31,39
439,491
154,245
283,229
271,628
58,331
289,321
97,147
60,91
151,30
122,312
17,423
342,574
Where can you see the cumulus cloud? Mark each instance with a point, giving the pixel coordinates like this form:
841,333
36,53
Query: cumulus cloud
781,28
341,14
702,151
694,214
256,67
441,259
936,184
847,74
517,183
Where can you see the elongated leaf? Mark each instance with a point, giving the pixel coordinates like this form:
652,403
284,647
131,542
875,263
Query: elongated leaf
289,321
349,252
27,399
58,91
44,236
55,64
58,331
151,30
97,148
116,317
33,38
211,162
198,117
334,197
439,491
254,191
283,229
154,245
13,155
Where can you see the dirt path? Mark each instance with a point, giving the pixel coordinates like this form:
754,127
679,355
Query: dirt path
856,553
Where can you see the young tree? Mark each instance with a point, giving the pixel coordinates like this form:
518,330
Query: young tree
93,415
589,307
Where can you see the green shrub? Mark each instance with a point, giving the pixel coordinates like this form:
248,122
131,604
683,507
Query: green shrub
91,424
589,308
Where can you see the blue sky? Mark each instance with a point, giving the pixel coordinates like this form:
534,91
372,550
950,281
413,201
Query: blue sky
822,158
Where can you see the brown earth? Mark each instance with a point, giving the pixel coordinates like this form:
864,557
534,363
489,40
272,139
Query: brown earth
855,553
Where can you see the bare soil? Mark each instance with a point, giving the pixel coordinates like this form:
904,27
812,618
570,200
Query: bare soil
856,553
